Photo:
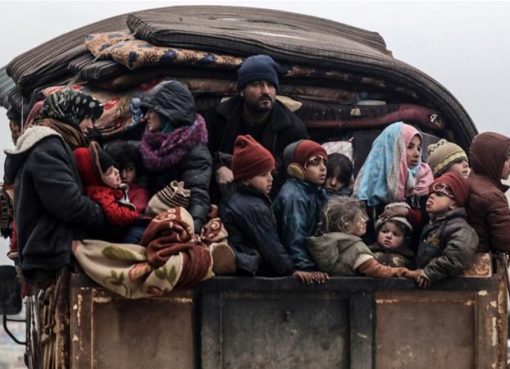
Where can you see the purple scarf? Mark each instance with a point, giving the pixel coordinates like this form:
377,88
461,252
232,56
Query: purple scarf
165,150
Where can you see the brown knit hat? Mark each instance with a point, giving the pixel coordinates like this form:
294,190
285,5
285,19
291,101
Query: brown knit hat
172,196
443,154
250,158
455,183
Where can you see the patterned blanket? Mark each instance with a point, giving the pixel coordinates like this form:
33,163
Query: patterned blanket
133,53
170,256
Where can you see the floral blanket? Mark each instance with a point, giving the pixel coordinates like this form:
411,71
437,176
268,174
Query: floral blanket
170,256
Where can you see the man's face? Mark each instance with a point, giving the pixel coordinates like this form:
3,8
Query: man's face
259,96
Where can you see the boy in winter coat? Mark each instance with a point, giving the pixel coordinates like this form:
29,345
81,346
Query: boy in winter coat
248,217
448,243
487,206
298,204
341,250
102,184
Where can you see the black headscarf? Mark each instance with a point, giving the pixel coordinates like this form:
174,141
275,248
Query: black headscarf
71,107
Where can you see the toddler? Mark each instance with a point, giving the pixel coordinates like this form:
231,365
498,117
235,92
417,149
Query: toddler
341,250
102,184
393,240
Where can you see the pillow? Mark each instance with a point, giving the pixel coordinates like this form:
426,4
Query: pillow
340,147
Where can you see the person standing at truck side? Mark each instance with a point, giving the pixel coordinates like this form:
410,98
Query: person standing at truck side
487,206
254,111
50,209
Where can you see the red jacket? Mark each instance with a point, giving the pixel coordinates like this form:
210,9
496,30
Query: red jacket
107,197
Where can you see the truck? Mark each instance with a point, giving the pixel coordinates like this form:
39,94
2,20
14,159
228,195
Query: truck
346,86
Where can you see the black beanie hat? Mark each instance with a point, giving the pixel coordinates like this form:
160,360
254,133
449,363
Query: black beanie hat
257,68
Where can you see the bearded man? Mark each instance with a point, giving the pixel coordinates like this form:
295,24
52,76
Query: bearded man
254,111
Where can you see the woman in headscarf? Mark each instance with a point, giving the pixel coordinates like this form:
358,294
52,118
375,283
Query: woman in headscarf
174,147
50,209
394,181
72,114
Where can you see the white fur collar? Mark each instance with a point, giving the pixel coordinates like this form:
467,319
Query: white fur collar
30,137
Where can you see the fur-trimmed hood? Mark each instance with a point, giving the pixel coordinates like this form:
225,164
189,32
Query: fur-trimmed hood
15,157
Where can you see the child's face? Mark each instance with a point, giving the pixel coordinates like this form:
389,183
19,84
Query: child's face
128,174
413,152
390,236
439,203
315,170
461,167
153,120
262,182
111,177
360,225
505,171
332,181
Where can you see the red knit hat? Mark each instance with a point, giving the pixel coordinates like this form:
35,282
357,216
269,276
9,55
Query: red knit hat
250,158
456,185
304,150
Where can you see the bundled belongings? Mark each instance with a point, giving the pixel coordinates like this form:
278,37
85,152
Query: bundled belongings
170,256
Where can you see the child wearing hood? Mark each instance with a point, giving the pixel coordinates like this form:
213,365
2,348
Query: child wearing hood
340,250
174,148
102,182
487,206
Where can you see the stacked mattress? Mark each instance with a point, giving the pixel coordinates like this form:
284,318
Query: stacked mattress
335,77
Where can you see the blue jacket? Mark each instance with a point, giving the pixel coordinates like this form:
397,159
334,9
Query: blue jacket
297,209
252,233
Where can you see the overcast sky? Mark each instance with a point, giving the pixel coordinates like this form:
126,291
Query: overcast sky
463,45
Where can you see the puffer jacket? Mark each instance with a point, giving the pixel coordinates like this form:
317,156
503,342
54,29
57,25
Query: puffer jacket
487,206
179,159
297,209
447,246
252,233
49,207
